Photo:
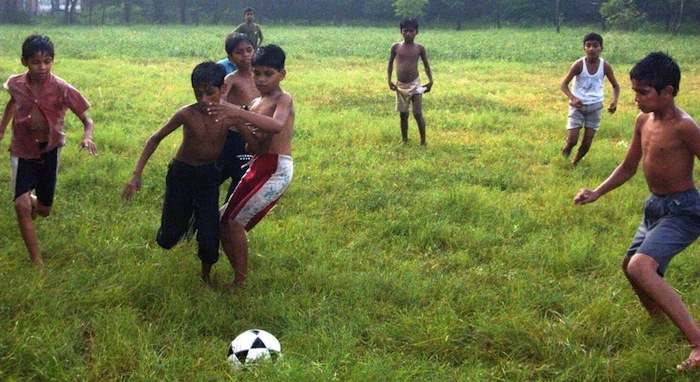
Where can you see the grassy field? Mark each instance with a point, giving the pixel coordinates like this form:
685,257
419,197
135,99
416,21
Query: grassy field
383,262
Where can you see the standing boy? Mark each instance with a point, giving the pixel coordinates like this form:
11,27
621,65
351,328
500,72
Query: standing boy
272,115
586,97
666,140
408,85
250,28
37,108
239,89
192,182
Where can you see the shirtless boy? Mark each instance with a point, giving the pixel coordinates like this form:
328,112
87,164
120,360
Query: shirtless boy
666,140
37,107
408,86
239,89
192,182
272,116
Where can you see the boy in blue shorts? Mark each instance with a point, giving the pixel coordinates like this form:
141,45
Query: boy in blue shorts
37,107
666,141
586,96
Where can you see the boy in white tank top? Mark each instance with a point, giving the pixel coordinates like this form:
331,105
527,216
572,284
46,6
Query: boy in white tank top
586,96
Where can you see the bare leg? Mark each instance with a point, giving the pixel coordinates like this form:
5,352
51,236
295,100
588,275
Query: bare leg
654,310
418,115
404,126
585,145
641,269
25,213
235,244
570,142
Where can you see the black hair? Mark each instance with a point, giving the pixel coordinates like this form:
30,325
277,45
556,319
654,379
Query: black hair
593,37
233,39
271,56
248,10
657,70
208,73
37,43
409,22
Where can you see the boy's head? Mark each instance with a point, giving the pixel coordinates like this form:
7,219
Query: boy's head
408,22
233,40
249,13
270,56
593,37
207,79
657,70
37,44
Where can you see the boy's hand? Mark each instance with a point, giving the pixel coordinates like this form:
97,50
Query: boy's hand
392,86
612,108
132,187
88,144
428,86
585,196
576,102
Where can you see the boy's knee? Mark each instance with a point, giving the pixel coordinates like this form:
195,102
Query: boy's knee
640,266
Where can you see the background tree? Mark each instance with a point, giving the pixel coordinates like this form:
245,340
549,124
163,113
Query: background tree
412,8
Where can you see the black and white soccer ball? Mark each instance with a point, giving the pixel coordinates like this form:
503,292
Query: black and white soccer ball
253,345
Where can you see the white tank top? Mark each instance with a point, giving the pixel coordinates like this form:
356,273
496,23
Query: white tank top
589,87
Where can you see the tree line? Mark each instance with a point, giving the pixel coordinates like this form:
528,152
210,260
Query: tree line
625,14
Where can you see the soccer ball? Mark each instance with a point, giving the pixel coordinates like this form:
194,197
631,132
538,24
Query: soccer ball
253,345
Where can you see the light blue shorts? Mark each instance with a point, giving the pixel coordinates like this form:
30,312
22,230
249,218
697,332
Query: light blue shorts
670,224
587,116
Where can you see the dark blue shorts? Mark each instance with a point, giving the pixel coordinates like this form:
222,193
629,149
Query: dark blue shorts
670,224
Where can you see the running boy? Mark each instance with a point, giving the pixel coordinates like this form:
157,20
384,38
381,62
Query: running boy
250,28
586,97
271,170
37,107
408,85
666,140
239,89
192,182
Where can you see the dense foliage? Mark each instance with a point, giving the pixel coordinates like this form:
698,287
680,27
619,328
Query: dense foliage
672,14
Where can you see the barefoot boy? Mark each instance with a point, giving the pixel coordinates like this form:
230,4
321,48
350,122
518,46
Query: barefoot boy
586,97
37,107
250,28
271,170
666,140
192,182
408,85
239,89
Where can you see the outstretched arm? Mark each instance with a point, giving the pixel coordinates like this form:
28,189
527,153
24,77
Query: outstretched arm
149,148
270,125
622,173
86,142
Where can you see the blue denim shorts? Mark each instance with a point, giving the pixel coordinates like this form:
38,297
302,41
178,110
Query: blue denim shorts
670,224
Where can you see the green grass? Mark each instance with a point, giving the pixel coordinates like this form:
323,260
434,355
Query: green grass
463,262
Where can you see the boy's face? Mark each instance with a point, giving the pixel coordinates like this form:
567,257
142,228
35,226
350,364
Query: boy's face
592,48
38,66
206,94
267,79
648,99
249,17
242,55
409,33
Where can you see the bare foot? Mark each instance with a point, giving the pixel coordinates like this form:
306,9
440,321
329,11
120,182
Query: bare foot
693,361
